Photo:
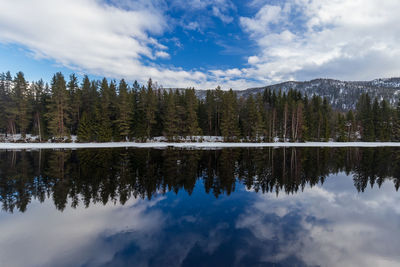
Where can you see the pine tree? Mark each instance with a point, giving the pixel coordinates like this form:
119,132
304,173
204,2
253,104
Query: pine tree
210,110
191,107
75,98
365,116
124,117
105,131
326,115
350,124
85,129
170,116
3,103
341,128
252,120
58,116
386,117
21,109
376,120
149,109
396,126
41,97
230,116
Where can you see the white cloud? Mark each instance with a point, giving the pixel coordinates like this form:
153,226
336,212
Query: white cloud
219,8
218,13
319,227
75,235
341,39
162,54
94,37
297,39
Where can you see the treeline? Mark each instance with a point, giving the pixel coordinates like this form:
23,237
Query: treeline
86,176
102,111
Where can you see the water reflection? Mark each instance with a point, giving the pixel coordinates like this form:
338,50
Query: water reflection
230,207
115,175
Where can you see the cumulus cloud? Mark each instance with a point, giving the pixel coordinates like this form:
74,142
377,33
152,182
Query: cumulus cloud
319,227
295,39
342,39
93,36
218,8
75,235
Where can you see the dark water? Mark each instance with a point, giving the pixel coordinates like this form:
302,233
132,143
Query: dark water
229,207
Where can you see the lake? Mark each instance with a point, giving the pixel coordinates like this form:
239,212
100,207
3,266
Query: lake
182,207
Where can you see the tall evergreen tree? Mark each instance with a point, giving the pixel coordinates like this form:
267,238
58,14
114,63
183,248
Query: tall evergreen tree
252,120
365,116
105,109
230,116
170,116
75,98
21,108
124,117
191,107
3,103
58,116
41,98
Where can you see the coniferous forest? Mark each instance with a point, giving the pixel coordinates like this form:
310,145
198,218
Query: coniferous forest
104,111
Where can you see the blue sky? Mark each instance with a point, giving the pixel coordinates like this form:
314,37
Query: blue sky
202,43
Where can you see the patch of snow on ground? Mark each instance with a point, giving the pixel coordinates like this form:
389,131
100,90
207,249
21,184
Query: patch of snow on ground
190,145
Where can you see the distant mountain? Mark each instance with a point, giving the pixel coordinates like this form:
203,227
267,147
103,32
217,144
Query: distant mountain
341,94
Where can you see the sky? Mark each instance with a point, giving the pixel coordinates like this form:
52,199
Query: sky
202,43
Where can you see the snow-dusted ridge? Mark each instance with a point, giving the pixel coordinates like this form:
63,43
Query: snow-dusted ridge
191,145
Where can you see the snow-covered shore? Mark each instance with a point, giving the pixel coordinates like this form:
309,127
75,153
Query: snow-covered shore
191,145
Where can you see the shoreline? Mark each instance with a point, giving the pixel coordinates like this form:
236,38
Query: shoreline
4,146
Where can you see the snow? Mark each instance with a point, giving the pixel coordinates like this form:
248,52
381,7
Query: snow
190,145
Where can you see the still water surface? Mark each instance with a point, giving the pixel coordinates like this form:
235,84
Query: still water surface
228,207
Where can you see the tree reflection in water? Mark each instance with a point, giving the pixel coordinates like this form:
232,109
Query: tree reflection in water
85,176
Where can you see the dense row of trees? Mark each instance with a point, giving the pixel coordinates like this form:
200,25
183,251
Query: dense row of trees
86,176
105,110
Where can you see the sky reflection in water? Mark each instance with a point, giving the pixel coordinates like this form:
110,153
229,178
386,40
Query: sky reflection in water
329,224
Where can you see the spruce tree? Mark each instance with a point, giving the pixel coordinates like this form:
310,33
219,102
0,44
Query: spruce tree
105,110
252,120
41,98
85,129
58,115
170,116
3,103
230,116
75,98
149,107
21,108
396,124
191,107
341,128
351,125
124,116
365,116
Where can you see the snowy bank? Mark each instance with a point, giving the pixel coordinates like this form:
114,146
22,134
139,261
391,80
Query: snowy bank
190,145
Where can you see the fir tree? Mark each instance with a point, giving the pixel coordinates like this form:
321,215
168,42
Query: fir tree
75,98
21,109
170,116
230,116
191,118
105,109
3,103
58,115
341,128
85,129
41,97
149,107
124,117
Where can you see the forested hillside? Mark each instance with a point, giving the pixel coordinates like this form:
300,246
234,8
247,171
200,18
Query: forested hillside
102,111
341,95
